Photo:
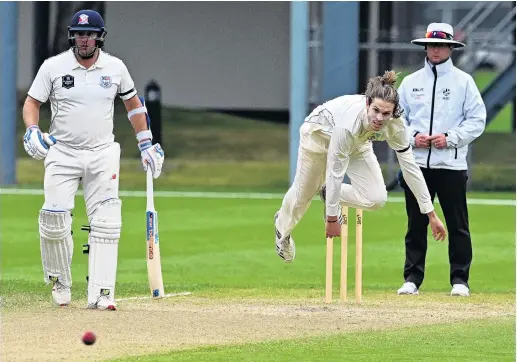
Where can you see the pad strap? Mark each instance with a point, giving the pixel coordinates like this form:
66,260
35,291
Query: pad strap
55,225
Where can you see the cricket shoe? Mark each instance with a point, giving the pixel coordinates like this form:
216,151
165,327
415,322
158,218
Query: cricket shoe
103,303
460,290
408,288
323,197
285,247
106,303
61,294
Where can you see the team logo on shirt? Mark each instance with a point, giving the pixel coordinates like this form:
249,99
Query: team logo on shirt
83,19
375,136
446,94
105,81
67,81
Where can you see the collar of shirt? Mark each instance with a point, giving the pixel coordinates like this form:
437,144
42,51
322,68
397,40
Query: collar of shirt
440,68
99,63
364,125
364,129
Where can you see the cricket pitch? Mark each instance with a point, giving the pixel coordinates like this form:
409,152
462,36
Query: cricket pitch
46,333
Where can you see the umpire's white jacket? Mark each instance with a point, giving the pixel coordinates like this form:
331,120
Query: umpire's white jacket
442,99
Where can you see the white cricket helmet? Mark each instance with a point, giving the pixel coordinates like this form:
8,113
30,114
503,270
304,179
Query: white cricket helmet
439,33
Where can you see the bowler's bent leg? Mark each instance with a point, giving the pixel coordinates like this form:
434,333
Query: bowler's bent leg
367,190
104,210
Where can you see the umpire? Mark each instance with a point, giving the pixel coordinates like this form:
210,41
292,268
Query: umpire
445,112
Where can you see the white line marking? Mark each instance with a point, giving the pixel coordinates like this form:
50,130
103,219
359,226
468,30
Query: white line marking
235,195
165,296
493,202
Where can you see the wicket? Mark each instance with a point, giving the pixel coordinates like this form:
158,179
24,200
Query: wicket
344,257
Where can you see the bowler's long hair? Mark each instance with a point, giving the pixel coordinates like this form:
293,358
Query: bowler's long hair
383,87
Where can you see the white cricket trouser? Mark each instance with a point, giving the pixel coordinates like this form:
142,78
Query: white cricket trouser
97,171
367,190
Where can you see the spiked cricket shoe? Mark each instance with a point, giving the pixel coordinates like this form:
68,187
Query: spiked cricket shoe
285,247
61,294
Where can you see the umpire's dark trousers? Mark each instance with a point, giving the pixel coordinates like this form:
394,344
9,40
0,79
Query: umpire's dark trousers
451,188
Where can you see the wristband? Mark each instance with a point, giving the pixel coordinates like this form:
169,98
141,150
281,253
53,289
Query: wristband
144,145
142,135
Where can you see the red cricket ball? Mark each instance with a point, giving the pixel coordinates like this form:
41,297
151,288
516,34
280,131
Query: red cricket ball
89,338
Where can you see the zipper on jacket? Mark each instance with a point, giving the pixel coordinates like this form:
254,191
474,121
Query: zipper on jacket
432,113
455,153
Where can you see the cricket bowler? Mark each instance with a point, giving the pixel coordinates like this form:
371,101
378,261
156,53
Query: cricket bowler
336,139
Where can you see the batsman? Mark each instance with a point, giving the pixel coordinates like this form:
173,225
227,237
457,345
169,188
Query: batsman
81,85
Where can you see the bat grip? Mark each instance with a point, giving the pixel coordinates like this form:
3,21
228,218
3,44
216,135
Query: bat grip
149,190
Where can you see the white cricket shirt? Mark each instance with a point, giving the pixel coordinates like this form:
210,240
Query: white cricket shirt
345,121
81,99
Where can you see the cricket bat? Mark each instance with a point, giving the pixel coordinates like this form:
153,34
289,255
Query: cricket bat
154,267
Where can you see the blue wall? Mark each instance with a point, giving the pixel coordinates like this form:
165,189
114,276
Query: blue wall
340,62
8,101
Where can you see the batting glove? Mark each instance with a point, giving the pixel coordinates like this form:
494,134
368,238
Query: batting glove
36,143
152,156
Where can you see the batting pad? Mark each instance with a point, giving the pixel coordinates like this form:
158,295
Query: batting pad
56,245
103,240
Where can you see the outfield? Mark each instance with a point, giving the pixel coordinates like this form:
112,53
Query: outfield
240,302
245,303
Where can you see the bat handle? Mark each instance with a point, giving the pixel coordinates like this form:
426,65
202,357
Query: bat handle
149,189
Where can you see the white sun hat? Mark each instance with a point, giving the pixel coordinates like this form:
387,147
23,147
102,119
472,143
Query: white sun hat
439,33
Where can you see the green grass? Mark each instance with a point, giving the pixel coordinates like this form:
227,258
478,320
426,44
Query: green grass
196,135
221,152
238,260
192,135
223,248
503,121
254,176
240,230
435,343
271,173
